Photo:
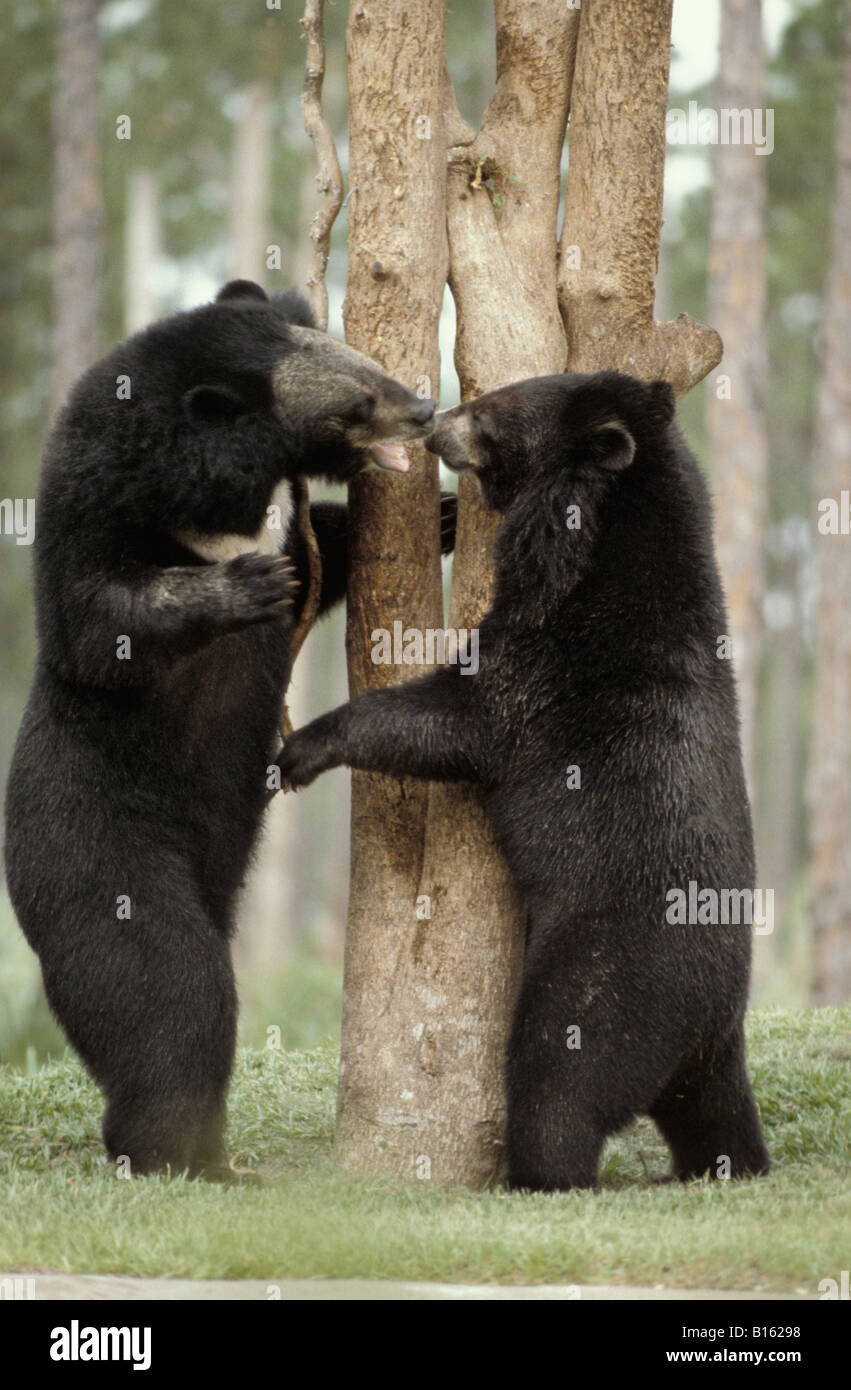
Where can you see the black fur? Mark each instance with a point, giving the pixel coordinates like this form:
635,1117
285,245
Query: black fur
599,652
137,784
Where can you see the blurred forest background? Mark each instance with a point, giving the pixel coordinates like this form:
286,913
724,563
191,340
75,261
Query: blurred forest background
203,172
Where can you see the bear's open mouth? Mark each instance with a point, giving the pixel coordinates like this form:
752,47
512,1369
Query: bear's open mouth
390,455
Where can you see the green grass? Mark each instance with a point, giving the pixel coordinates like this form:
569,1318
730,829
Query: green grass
61,1208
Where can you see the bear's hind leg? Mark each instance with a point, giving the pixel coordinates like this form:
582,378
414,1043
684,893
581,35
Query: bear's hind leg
554,1136
166,1100
150,1005
708,1117
550,1147
156,1132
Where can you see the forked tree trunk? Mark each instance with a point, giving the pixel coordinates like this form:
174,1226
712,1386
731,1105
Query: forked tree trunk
76,196
830,747
736,399
428,998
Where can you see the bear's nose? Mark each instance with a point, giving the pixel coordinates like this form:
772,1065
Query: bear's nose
422,412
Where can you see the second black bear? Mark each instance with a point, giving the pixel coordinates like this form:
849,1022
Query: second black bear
602,728
164,609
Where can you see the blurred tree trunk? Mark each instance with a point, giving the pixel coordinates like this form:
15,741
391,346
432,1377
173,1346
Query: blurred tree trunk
736,418
252,154
301,253
271,913
428,997
267,909
141,250
830,748
76,196
778,820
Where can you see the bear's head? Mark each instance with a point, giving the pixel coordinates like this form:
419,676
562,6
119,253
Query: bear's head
248,353
574,424
200,417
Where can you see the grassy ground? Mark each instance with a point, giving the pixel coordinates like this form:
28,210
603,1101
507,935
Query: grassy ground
62,1209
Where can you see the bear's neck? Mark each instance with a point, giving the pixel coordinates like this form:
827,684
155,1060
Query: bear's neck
267,539
545,544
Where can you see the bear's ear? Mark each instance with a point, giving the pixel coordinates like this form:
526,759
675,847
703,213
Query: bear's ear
294,308
213,405
663,402
241,289
612,446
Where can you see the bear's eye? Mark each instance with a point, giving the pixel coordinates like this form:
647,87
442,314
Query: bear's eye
361,409
483,426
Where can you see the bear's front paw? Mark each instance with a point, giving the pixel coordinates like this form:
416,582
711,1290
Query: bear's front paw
260,587
307,753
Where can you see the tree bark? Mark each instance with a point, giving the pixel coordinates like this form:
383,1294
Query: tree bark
613,204
830,748
503,196
76,196
397,271
736,400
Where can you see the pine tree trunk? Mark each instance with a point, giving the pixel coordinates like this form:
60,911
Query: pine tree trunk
76,196
830,749
736,399
252,151
141,250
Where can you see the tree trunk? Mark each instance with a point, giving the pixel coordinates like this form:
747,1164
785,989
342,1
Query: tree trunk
736,400
609,250
503,195
76,196
779,810
397,271
141,250
428,998
830,749
252,148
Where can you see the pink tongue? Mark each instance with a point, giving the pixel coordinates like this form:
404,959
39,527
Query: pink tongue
390,456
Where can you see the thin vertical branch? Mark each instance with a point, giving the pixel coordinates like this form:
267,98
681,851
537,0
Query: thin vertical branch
329,179
330,183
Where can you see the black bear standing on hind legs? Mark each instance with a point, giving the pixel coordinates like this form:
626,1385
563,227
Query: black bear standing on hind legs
165,615
602,728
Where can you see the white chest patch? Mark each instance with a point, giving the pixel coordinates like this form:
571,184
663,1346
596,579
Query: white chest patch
269,540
